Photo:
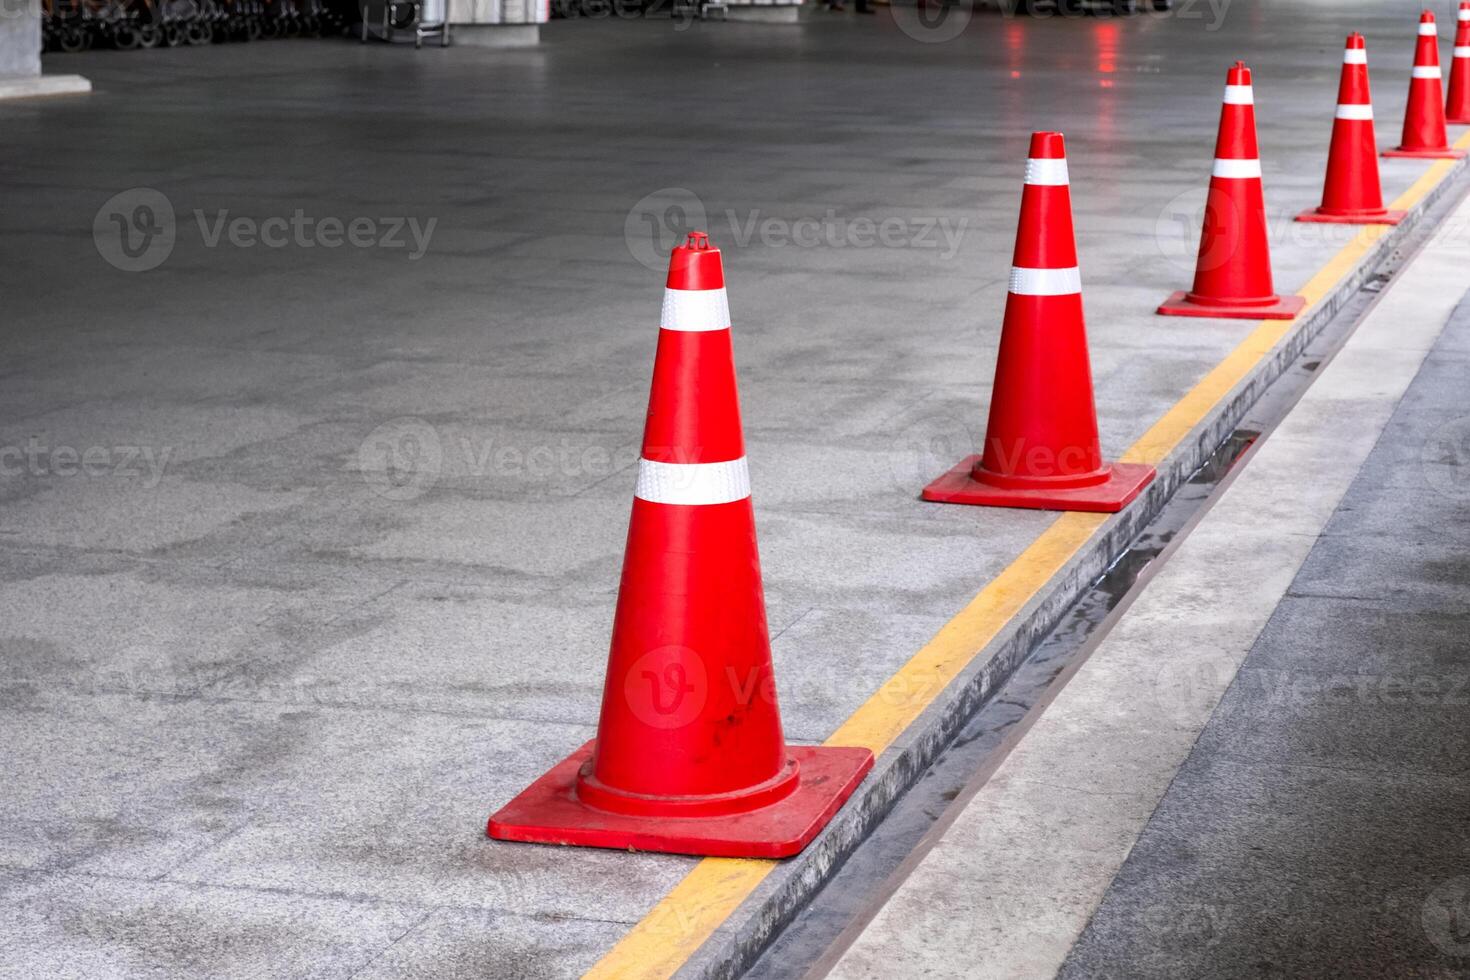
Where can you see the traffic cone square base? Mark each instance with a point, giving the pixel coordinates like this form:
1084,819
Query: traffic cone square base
1285,308
1447,154
1380,218
548,812
959,486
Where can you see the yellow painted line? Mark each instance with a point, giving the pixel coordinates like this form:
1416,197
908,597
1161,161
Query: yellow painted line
682,920
1159,441
1429,179
664,939
905,695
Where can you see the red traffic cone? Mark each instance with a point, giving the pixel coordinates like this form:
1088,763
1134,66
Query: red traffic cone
1232,277
1457,103
1424,129
689,756
1041,446
1351,193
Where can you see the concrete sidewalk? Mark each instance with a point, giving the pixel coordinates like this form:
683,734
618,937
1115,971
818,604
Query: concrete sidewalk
1318,828
336,577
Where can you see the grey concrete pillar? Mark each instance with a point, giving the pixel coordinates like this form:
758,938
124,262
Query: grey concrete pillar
20,55
764,11
497,23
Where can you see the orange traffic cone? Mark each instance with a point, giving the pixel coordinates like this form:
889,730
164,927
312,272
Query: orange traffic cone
1351,194
1232,277
689,756
1041,446
1424,127
1457,103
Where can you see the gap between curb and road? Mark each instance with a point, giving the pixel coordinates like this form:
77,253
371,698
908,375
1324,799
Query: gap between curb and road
719,918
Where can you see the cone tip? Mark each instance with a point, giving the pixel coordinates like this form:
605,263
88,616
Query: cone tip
1427,17
1047,146
696,264
1355,40
1239,74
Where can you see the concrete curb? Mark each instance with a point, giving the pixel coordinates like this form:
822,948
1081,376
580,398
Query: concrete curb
43,86
741,939
741,12
494,35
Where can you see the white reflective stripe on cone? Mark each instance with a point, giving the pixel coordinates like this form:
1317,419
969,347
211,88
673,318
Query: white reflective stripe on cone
693,483
1428,30
1426,71
1359,112
1236,168
1355,56
1239,95
1045,282
1462,52
695,310
1462,15
1046,173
